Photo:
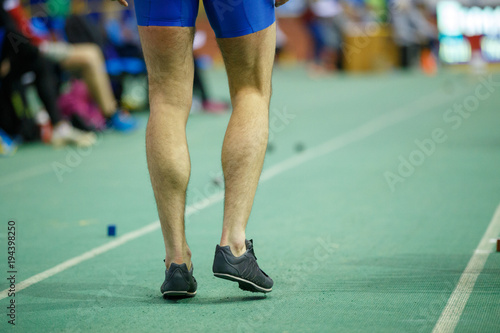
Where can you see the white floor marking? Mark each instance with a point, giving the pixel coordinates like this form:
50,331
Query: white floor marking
83,257
25,174
456,303
414,108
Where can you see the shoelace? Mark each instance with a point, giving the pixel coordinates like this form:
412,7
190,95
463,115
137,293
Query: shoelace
252,252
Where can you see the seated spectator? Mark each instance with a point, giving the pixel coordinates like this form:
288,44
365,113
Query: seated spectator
208,104
85,59
412,31
325,22
17,57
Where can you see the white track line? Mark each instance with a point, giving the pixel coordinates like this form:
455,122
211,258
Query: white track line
456,303
362,132
357,134
83,257
25,174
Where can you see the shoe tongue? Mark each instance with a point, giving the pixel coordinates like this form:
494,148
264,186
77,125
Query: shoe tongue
249,245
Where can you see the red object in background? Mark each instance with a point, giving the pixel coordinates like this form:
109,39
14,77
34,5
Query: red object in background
212,106
46,132
498,245
428,62
23,24
475,42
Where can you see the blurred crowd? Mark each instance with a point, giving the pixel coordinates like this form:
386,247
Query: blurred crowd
65,76
411,24
46,53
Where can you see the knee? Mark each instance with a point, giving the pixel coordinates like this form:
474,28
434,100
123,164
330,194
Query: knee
167,90
255,90
91,56
94,52
251,83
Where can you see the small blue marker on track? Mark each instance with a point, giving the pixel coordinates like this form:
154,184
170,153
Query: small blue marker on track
111,230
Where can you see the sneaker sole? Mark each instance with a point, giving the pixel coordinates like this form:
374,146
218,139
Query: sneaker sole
59,143
244,284
178,294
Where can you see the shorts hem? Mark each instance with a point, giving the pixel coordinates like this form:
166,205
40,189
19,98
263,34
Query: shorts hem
244,32
154,23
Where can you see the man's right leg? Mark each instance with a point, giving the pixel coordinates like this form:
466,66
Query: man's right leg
168,52
249,63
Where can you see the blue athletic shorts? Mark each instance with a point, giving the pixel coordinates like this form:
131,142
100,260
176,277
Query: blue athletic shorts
228,18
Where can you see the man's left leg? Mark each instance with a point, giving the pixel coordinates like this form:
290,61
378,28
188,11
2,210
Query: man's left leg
168,52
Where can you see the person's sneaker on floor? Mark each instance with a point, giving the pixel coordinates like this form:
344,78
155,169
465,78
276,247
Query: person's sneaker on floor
179,282
122,121
65,134
8,146
243,269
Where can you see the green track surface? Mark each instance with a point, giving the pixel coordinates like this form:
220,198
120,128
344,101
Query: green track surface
346,252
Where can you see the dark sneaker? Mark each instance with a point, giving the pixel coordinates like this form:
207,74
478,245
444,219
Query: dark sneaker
243,269
179,282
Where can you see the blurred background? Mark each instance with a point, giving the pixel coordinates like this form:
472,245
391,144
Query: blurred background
324,37
380,178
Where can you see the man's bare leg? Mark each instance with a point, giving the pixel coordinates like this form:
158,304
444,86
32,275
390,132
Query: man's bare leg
249,62
168,52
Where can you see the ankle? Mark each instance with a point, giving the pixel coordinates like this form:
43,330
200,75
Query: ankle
236,244
179,258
